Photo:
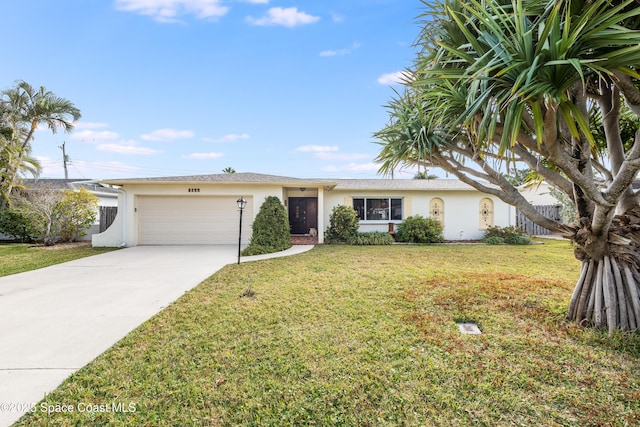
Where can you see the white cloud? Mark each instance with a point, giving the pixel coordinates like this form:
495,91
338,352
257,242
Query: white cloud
398,77
92,135
257,1
168,11
353,167
201,156
330,152
89,125
167,135
317,148
232,137
287,17
336,17
338,156
362,167
340,52
127,147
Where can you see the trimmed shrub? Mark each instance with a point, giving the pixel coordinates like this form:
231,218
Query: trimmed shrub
417,229
494,240
371,238
507,235
343,225
270,229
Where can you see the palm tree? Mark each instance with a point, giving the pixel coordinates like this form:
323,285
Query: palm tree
228,170
498,84
22,110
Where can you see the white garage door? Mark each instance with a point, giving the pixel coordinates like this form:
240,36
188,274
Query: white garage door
178,220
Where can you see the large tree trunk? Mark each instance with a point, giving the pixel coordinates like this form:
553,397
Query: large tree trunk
607,295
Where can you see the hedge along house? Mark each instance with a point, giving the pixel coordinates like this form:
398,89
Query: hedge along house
202,209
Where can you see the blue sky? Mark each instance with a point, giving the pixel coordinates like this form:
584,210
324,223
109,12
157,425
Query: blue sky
181,87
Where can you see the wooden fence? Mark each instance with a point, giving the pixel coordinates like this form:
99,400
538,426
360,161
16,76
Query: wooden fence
549,211
107,215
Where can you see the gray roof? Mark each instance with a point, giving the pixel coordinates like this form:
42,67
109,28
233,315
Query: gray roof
401,184
338,184
227,178
54,183
68,184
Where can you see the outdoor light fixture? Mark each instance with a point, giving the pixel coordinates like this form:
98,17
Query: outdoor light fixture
242,203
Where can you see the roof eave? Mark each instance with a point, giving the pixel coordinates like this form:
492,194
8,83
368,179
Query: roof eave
330,184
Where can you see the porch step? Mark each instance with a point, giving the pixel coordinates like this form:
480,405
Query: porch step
304,240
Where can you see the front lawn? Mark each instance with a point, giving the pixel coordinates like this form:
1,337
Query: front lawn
19,257
366,336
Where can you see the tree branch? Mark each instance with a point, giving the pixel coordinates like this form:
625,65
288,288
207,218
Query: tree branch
566,164
628,89
501,189
627,173
549,175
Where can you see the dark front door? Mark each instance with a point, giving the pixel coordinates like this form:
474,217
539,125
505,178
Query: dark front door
303,214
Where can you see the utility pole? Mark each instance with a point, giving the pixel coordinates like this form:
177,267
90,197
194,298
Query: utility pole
65,159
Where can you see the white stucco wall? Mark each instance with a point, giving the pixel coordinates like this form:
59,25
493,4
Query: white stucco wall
104,199
461,210
114,236
538,194
461,207
124,230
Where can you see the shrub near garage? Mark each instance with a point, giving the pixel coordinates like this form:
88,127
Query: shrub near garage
270,229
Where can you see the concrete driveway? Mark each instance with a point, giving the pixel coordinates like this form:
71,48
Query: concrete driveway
55,320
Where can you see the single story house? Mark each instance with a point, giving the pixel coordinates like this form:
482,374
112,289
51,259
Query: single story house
202,209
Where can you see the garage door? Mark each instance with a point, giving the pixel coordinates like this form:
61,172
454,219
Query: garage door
177,220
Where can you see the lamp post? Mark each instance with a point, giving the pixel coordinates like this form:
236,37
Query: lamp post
242,203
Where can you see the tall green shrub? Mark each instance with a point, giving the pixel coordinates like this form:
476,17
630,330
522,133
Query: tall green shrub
343,225
270,229
18,223
417,229
76,212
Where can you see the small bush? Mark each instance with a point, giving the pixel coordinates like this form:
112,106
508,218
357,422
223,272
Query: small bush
507,235
343,225
270,229
494,240
417,229
18,223
371,238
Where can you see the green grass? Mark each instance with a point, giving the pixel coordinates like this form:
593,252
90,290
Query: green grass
17,258
366,336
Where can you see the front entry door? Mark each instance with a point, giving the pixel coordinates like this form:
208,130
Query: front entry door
303,214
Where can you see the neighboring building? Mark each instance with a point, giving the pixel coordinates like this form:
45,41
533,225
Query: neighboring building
107,196
538,194
202,209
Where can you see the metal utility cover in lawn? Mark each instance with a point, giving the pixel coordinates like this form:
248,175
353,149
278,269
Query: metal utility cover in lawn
469,328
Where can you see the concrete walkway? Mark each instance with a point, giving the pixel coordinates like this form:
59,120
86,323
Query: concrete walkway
55,320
